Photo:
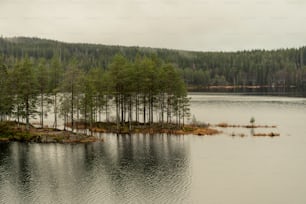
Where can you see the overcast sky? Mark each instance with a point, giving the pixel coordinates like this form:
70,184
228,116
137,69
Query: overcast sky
204,25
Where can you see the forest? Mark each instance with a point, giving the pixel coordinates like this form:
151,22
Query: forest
129,86
143,92
284,68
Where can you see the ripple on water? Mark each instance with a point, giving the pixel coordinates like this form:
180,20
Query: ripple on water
147,173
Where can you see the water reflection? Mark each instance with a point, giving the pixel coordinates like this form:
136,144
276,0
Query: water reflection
171,169
124,169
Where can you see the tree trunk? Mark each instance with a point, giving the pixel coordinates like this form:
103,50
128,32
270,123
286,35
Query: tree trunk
91,120
18,117
106,110
117,113
122,110
27,114
72,110
136,108
162,110
144,110
130,114
152,109
78,113
85,114
42,110
55,111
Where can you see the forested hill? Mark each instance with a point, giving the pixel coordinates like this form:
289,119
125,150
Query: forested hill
283,67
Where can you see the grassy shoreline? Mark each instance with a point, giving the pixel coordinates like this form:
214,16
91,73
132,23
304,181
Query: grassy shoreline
12,131
154,128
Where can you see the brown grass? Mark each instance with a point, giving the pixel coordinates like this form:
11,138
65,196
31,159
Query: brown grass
206,131
223,125
156,129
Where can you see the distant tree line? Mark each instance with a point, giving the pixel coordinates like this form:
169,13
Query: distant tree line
283,67
142,91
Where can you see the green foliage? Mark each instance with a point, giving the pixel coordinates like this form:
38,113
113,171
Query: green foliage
6,130
252,120
22,136
141,85
72,85
24,88
149,83
283,67
5,96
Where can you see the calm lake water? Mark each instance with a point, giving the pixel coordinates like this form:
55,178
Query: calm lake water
172,169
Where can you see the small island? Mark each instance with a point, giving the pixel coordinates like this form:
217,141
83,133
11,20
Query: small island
143,95
13,131
155,128
140,95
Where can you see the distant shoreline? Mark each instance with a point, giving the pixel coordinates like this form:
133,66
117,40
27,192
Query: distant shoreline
250,90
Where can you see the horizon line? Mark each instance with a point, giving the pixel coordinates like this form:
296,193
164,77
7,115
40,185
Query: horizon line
156,48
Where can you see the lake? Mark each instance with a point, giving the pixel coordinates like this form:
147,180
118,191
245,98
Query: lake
172,169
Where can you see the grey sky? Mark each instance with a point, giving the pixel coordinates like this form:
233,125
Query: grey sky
190,24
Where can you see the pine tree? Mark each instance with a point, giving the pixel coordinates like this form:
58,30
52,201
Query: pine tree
25,89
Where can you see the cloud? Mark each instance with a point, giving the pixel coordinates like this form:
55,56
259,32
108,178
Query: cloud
190,25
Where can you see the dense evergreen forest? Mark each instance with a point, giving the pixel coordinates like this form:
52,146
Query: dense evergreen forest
143,91
128,86
277,68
